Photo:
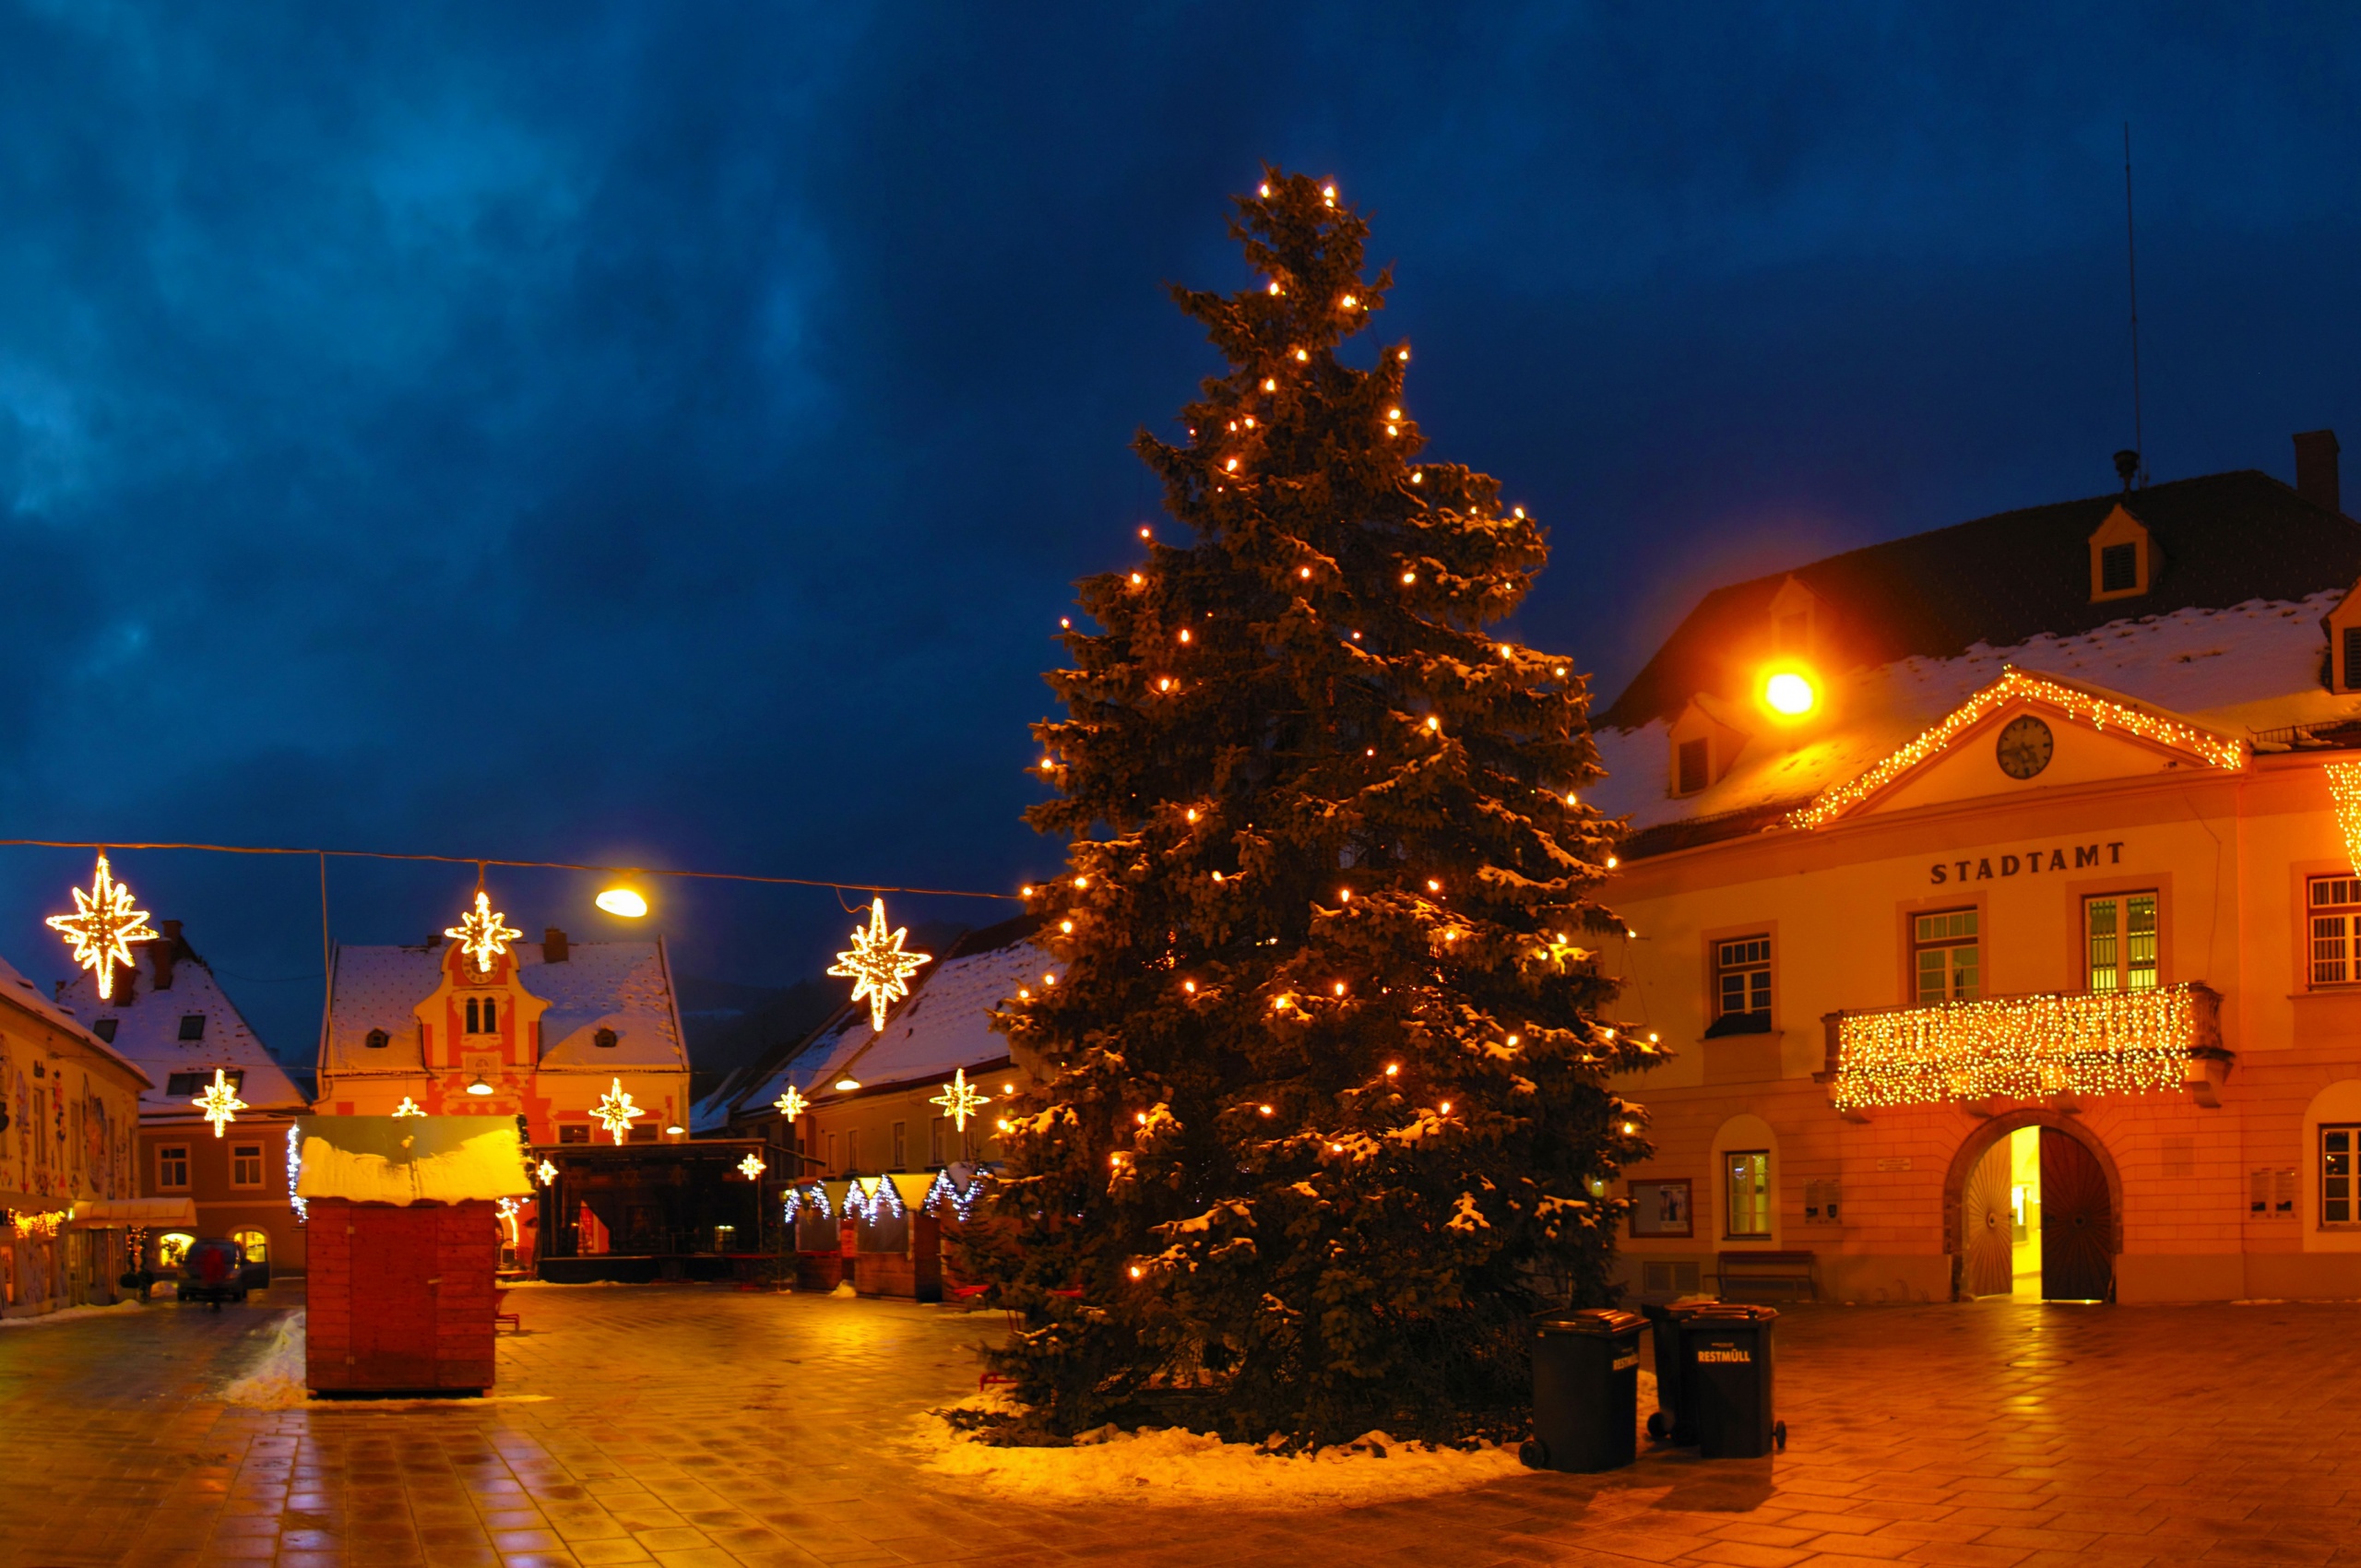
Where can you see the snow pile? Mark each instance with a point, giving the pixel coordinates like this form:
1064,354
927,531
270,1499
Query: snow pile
66,1314
276,1381
1171,1466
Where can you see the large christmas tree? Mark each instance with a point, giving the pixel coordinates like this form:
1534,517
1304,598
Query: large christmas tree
1326,1115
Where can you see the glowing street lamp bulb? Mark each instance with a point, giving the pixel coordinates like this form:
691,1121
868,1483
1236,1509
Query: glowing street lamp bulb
621,901
1790,694
847,1084
479,1088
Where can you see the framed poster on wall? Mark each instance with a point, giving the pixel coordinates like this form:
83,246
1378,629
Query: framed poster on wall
1661,1208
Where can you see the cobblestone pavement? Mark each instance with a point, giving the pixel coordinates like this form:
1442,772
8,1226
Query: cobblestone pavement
697,1425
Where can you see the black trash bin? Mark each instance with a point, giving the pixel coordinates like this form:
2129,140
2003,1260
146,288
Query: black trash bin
1673,1422
1586,1389
1726,1378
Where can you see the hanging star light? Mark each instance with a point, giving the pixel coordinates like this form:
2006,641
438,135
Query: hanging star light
792,1103
480,933
960,1099
877,962
103,927
547,1173
616,1111
752,1166
409,1107
219,1103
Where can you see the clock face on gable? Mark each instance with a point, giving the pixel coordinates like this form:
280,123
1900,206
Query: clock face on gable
2024,746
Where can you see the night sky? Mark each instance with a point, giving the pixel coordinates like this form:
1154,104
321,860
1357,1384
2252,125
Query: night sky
668,433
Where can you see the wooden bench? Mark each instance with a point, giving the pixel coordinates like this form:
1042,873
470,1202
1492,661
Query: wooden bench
1790,1272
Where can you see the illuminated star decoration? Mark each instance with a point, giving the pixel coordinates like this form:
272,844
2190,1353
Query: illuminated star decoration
792,1103
480,933
103,927
752,1166
960,1099
409,1107
617,1113
219,1103
877,962
548,1172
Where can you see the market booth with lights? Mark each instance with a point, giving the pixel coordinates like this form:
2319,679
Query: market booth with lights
1994,899
635,1213
404,1215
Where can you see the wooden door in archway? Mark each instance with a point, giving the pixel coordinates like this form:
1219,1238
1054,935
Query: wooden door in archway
2077,1222
1986,1225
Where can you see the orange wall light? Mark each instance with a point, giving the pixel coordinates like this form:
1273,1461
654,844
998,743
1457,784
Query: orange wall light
1790,694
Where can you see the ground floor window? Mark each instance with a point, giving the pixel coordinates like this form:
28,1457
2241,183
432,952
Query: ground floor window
254,1244
2336,1173
1749,1198
172,1247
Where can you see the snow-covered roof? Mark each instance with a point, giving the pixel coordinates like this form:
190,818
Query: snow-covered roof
408,1159
623,986
167,986
2243,670
943,1025
24,994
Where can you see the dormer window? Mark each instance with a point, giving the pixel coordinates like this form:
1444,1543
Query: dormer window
1705,745
1795,613
2125,561
104,1028
192,1026
377,1039
605,1040
1692,766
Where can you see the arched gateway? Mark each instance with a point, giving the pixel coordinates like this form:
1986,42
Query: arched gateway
2030,1207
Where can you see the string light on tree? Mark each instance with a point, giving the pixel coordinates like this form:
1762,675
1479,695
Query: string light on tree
878,965
960,1099
616,1111
103,927
219,1103
480,933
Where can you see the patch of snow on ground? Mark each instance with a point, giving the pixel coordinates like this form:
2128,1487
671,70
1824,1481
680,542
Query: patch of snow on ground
66,1314
1175,1466
276,1381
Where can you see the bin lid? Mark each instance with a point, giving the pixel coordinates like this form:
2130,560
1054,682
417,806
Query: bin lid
1606,1321
1725,1311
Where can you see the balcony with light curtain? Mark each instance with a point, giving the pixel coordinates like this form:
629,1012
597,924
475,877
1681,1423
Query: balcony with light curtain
2160,1039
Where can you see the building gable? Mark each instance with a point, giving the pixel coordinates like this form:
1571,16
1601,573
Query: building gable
2023,732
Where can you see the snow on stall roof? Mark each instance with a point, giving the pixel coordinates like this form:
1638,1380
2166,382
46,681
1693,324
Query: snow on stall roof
408,1159
2252,667
623,986
148,1022
24,994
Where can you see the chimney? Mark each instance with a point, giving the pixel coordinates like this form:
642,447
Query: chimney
552,946
167,950
2316,469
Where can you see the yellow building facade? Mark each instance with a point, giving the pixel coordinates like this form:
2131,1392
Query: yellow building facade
2024,957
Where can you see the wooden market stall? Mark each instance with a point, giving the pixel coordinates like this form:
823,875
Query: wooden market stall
405,1243
884,1233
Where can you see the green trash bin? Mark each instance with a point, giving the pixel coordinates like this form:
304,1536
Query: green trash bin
1585,1390
1726,1382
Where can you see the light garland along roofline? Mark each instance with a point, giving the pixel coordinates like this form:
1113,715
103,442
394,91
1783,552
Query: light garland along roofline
2097,709
2025,1047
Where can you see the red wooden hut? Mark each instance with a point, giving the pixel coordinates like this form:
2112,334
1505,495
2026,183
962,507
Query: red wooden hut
404,1241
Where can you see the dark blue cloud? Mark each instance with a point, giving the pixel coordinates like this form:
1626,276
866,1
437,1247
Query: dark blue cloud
666,433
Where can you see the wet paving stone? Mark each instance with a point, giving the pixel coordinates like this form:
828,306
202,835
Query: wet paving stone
691,1425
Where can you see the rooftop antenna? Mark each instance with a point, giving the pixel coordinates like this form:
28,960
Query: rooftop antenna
2131,267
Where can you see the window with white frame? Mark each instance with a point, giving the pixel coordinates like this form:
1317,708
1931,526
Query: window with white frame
1747,1193
2337,1149
1741,986
1944,956
2332,904
2119,941
245,1165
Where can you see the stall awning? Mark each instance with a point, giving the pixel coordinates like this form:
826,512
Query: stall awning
120,1214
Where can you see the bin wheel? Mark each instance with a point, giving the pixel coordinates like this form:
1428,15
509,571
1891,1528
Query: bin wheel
1535,1452
1779,1435
1659,1425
